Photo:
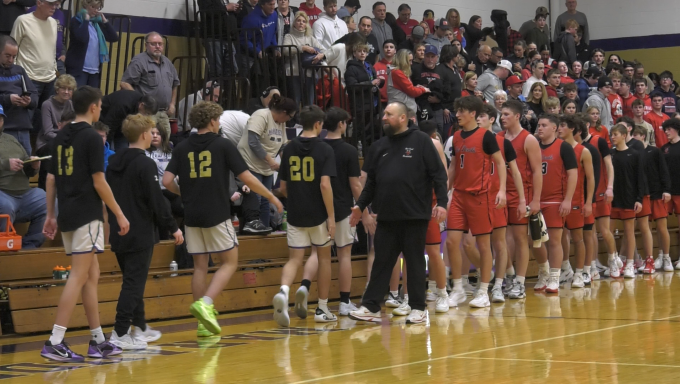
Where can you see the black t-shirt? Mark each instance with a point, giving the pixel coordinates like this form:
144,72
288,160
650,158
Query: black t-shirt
489,143
346,166
671,153
202,163
629,181
304,161
656,173
635,144
77,154
595,154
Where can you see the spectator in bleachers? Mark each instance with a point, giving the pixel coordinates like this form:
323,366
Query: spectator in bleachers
17,94
349,9
529,25
538,34
417,37
365,28
262,101
379,26
301,37
161,153
361,72
260,147
286,16
210,93
329,28
217,27
36,36
582,49
670,99
492,80
517,58
572,14
90,32
474,35
264,19
103,131
66,118
17,199
480,62
397,34
565,44
247,7
598,98
309,7
351,24
61,47
405,22
452,83
537,72
9,11
438,38
399,85
52,109
233,125
118,105
151,73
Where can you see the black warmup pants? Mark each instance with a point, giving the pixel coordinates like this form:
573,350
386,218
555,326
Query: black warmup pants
391,239
130,308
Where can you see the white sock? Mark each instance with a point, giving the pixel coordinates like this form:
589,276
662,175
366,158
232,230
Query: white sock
285,289
666,255
593,265
207,300
395,293
520,279
57,334
554,271
629,262
545,267
323,304
406,297
483,287
510,271
432,285
578,270
565,265
586,269
457,284
611,256
442,292
98,335
499,282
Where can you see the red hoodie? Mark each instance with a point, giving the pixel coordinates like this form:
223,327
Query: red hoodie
617,105
627,105
313,13
648,103
381,72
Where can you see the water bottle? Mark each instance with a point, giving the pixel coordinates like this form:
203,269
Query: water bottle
173,267
284,222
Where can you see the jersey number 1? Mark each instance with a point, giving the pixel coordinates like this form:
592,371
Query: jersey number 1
205,159
306,166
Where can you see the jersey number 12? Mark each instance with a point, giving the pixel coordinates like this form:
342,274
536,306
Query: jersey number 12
205,159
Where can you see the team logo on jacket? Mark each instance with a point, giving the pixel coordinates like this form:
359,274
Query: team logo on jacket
407,152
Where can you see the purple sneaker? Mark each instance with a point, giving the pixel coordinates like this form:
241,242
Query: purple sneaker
60,352
105,349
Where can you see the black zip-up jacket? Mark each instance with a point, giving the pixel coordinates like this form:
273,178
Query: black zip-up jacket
402,172
430,78
133,178
452,85
356,74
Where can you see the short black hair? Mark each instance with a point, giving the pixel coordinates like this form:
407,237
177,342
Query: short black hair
613,67
469,103
490,110
572,122
7,40
626,120
666,74
150,104
101,127
495,50
627,80
311,115
673,123
448,53
402,7
428,126
365,17
377,3
655,94
390,41
334,116
84,97
516,106
67,117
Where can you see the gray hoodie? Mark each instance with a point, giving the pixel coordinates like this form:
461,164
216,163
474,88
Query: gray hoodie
489,83
597,99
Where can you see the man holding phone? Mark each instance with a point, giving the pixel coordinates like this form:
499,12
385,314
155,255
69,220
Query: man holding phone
18,95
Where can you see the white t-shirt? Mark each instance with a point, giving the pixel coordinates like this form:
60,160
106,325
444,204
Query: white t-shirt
233,125
272,136
37,41
162,159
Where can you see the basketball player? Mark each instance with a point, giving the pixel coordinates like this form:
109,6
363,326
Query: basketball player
604,194
560,174
307,165
529,164
671,153
659,186
202,162
590,268
76,179
346,187
581,205
473,151
629,192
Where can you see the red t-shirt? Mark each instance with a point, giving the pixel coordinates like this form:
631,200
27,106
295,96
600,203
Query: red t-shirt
381,72
648,103
656,122
408,27
628,105
617,105
313,13
566,80
552,92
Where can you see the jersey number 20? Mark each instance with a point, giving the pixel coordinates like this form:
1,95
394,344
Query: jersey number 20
205,159
301,170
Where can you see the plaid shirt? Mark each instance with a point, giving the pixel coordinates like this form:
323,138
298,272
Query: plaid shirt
513,37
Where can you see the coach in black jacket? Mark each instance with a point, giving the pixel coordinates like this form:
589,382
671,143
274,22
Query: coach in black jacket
403,169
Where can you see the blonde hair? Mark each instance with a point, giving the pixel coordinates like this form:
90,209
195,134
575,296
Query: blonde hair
66,82
595,124
544,97
571,23
303,14
135,125
552,102
401,61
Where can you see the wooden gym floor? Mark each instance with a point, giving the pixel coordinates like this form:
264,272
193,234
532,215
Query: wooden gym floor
614,332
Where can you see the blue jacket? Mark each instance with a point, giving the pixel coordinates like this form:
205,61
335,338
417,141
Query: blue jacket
107,153
257,20
79,40
583,92
17,118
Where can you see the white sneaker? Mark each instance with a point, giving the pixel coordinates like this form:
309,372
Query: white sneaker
126,342
148,336
280,303
481,300
346,308
614,267
497,295
301,302
393,301
403,310
667,264
456,297
620,261
442,304
469,289
416,317
577,281
566,275
629,271
542,282
517,291
677,264
324,315
553,285
658,262
363,314
594,275
430,296
586,278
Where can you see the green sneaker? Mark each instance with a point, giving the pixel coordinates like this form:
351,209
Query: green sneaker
202,332
206,315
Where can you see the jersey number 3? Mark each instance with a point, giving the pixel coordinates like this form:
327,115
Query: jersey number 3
301,170
205,159
68,153
544,168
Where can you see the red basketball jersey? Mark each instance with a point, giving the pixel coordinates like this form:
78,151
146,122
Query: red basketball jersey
473,164
577,200
554,173
495,184
522,162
